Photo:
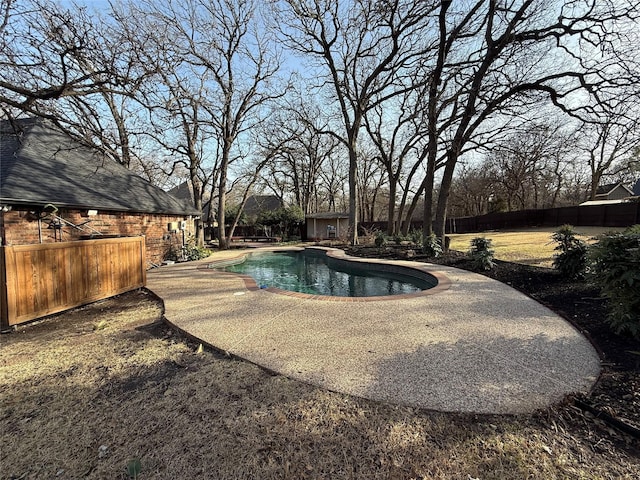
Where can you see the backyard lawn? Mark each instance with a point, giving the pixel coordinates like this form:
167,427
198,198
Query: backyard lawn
529,246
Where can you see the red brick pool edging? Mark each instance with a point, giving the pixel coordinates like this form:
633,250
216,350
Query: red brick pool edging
444,283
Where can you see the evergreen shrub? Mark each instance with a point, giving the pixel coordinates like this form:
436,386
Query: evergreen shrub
615,268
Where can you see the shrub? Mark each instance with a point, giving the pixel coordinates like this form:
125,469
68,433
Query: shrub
380,239
190,251
431,246
416,236
398,238
196,253
615,268
481,253
572,259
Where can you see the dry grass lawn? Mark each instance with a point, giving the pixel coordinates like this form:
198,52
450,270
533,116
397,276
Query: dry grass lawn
86,392
529,246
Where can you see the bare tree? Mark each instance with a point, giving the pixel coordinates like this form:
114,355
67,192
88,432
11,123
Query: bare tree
362,50
395,129
610,144
371,180
243,63
174,96
72,68
496,58
215,68
39,48
528,165
297,167
333,186
246,182
473,190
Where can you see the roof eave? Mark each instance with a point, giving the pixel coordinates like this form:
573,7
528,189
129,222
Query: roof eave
41,203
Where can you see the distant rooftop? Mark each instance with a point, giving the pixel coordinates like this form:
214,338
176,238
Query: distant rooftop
602,202
326,215
608,188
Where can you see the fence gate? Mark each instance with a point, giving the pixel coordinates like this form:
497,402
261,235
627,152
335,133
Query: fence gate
38,280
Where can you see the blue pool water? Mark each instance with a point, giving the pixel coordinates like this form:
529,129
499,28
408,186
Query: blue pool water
320,275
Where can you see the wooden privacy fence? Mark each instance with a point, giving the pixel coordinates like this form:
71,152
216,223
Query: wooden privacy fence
38,280
614,215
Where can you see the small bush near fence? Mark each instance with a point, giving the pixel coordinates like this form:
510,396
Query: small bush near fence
572,259
481,253
615,268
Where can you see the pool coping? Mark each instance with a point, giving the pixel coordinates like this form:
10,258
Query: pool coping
392,266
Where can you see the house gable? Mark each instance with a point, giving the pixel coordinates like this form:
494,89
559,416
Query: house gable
42,165
613,191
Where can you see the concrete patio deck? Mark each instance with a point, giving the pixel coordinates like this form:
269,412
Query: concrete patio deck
477,347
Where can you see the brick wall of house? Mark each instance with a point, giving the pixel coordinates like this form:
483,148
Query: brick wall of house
20,227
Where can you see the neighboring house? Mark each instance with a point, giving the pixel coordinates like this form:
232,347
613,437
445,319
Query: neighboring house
636,188
54,189
324,226
184,193
253,207
613,191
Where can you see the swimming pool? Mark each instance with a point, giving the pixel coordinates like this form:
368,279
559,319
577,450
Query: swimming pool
315,273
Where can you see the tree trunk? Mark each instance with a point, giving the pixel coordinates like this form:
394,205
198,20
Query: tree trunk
406,222
596,176
427,214
392,224
443,199
197,190
353,192
222,201
432,118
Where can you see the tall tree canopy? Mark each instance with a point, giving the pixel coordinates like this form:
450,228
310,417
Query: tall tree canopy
403,90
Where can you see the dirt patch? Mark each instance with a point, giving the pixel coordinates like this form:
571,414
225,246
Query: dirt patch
86,392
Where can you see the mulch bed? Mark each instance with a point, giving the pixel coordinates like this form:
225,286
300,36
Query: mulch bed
617,393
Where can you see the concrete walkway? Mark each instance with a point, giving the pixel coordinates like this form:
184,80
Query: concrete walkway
478,346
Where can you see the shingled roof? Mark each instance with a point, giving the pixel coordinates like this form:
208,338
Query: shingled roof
39,165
